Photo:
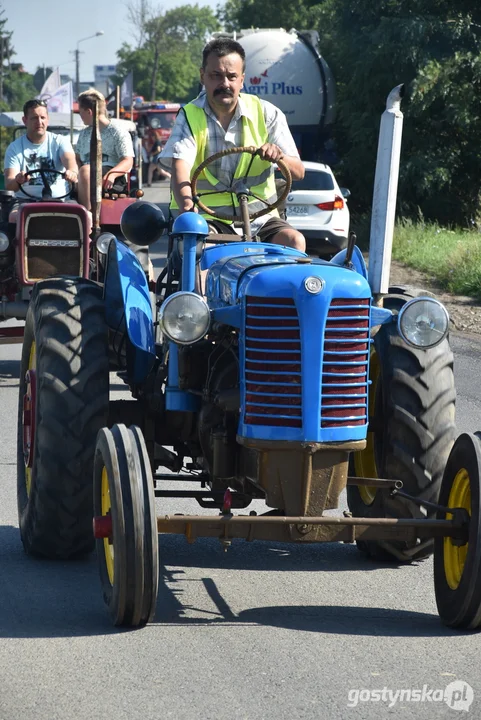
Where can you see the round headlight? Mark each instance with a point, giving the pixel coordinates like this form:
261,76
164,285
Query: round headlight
185,317
4,242
423,322
103,242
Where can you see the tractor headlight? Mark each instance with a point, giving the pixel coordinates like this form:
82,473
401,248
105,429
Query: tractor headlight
423,322
184,317
103,242
4,242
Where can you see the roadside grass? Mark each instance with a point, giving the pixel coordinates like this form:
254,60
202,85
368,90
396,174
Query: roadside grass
450,257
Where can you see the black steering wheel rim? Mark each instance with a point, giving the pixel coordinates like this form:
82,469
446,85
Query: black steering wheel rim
46,185
232,151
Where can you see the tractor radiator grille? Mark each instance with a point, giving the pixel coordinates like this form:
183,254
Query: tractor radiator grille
345,364
272,363
53,246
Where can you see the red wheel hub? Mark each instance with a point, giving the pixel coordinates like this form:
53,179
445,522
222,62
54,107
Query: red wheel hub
102,525
28,417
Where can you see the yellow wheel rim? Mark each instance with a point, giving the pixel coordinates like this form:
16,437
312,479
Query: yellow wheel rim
365,461
32,365
106,509
455,555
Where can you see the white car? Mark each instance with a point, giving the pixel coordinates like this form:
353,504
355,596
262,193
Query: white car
316,206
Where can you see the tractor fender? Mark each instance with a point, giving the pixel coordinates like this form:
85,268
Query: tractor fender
128,309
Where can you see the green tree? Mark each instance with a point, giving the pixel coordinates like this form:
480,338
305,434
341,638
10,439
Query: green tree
16,86
242,14
434,49
166,65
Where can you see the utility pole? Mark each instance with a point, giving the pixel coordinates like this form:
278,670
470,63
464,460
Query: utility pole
76,53
77,72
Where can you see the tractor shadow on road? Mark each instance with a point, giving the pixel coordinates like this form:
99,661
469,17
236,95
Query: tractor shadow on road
173,606
47,599
325,619
50,599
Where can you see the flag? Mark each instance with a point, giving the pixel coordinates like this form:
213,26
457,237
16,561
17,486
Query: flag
50,86
62,99
127,90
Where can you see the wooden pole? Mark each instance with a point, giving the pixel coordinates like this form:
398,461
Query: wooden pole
95,173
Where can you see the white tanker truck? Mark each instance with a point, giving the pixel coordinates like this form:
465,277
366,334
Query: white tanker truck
287,69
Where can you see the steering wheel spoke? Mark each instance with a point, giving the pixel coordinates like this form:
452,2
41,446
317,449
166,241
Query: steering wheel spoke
224,216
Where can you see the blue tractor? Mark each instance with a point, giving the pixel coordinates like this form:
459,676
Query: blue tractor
286,380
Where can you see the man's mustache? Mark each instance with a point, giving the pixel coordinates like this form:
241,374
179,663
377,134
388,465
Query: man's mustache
221,91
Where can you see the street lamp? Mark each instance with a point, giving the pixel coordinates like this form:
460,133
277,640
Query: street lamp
77,60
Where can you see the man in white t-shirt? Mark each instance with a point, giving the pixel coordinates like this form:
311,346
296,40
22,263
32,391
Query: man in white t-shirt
39,149
117,147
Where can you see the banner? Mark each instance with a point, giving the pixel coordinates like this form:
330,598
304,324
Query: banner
62,99
127,90
50,86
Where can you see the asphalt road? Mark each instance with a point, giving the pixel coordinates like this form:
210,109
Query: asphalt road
263,631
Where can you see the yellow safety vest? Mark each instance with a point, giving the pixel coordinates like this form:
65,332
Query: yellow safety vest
260,174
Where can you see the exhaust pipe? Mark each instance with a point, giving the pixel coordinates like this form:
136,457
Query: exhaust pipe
13,309
385,193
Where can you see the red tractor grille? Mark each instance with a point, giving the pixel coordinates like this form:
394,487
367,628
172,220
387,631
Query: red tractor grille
53,246
345,364
272,363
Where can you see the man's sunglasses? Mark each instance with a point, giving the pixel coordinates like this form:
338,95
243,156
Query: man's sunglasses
33,104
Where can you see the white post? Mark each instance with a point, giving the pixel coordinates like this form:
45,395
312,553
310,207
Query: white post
385,193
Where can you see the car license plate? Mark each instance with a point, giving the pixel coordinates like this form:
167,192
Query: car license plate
297,210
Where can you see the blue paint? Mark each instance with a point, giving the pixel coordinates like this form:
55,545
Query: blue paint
188,262
128,309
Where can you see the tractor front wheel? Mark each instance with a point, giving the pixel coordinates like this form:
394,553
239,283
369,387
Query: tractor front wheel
410,434
457,565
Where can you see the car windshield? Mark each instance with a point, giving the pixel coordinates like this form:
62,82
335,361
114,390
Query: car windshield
314,180
162,120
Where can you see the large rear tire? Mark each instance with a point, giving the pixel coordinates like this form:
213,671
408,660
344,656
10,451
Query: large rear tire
63,403
411,431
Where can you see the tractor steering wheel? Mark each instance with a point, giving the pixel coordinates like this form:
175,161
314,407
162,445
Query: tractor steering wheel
224,216
46,185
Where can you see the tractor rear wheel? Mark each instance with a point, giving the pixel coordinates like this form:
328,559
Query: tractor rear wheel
411,431
63,403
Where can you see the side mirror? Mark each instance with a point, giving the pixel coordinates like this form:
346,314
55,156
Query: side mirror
143,223
345,193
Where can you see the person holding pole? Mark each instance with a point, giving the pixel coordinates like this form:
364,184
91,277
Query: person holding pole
117,148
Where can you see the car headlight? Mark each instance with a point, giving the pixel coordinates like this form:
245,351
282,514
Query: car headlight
103,242
184,317
4,242
423,322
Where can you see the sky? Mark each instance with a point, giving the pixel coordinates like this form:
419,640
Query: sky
45,32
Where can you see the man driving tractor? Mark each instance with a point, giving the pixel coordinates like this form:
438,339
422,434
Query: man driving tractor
220,118
38,150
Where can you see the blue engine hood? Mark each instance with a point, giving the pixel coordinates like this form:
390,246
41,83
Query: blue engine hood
275,274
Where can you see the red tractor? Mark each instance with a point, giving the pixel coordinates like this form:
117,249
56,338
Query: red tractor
49,237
